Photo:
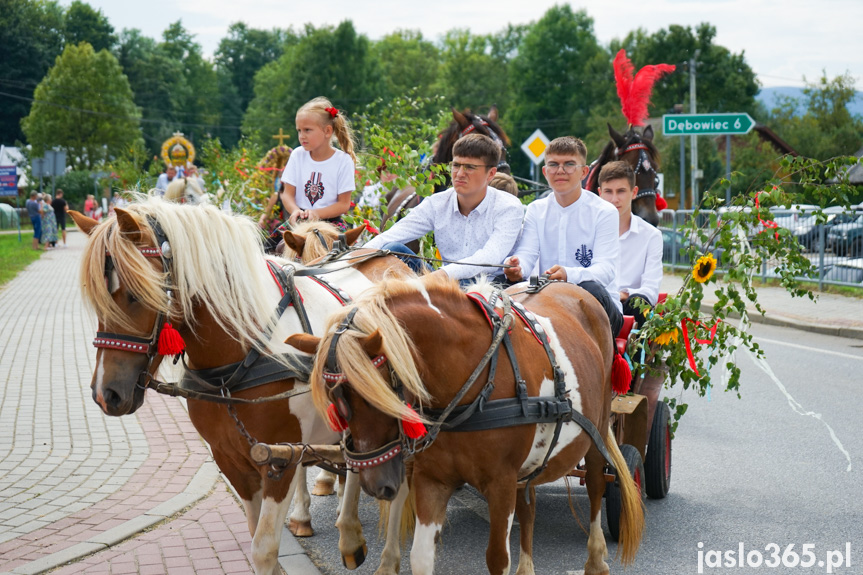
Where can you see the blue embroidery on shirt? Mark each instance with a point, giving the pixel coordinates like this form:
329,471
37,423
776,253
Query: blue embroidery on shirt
584,256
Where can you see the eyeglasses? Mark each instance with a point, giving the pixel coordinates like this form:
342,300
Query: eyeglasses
469,168
568,167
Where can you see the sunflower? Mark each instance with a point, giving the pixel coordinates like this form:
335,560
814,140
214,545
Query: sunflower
704,268
667,337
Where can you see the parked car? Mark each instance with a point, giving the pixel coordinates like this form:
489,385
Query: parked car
673,241
808,230
847,238
848,271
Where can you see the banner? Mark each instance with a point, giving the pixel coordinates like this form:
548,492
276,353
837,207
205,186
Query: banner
8,181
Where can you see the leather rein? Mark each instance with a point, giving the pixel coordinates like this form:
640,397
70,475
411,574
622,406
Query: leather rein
481,413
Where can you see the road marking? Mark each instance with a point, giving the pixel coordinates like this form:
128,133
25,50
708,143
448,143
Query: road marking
473,502
807,348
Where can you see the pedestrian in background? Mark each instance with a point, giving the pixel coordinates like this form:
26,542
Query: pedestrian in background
60,208
35,218
49,223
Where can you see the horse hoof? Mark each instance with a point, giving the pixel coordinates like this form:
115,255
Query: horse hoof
323,488
351,562
300,528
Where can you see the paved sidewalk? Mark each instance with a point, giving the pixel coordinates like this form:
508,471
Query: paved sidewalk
75,483
829,314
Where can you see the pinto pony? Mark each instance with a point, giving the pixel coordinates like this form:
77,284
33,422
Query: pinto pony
200,276
412,353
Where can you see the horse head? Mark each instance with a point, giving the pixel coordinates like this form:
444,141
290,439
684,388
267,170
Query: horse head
311,240
641,154
129,302
466,122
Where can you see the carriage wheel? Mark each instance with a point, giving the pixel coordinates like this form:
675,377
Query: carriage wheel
613,502
657,461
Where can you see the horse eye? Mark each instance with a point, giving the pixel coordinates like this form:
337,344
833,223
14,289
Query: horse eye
130,297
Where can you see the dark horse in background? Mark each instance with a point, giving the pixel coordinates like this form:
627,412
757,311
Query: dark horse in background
639,152
463,123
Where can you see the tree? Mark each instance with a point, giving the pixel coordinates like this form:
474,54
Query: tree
84,104
83,24
724,81
558,76
332,62
407,62
827,129
471,75
244,51
31,36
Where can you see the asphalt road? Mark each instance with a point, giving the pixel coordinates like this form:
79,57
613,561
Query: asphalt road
760,471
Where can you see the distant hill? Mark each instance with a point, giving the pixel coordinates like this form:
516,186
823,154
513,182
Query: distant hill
769,97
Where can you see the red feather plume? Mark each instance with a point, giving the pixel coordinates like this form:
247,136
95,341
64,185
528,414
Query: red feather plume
634,90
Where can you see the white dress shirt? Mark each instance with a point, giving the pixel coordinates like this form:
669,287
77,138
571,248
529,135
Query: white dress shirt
641,260
486,235
581,237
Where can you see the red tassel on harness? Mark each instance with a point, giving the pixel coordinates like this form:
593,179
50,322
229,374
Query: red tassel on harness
412,426
661,204
335,419
621,375
170,341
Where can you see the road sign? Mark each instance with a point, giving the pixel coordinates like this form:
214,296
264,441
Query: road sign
8,181
535,146
706,124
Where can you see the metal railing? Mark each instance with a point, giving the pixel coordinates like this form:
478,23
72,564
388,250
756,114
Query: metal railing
835,248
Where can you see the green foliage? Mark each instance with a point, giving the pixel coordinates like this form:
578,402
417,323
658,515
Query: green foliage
725,81
31,36
827,129
76,185
407,62
332,62
83,24
228,173
560,72
84,105
747,244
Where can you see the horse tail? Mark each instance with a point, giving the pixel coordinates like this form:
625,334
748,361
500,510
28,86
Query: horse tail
632,512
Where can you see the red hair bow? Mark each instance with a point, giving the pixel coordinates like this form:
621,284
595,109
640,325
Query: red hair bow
332,111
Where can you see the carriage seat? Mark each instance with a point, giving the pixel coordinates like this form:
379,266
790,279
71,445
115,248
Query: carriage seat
623,336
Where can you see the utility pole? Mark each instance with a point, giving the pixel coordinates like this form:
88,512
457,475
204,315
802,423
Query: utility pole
693,142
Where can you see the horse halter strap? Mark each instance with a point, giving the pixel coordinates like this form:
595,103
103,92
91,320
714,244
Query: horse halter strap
643,166
125,342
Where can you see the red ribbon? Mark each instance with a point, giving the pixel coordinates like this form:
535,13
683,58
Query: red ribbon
683,323
332,111
369,227
769,224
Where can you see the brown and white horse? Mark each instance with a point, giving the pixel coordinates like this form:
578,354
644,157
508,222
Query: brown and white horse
207,275
641,154
417,343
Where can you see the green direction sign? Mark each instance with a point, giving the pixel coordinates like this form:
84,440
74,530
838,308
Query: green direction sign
706,124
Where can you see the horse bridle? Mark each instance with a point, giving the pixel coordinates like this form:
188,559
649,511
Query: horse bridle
643,160
474,125
135,344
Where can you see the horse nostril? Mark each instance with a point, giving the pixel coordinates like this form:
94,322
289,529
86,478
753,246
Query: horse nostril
386,493
111,398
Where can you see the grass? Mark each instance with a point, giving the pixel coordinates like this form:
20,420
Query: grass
15,256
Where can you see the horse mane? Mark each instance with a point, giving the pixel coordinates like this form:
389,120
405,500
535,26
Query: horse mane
313,248
211,253
374,314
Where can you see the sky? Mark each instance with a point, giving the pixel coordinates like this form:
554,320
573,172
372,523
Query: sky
782,41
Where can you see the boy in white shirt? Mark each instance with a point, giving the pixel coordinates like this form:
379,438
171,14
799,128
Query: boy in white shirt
640,270
472,222
572,234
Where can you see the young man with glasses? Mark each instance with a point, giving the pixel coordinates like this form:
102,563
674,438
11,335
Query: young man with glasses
640,271
571,234
473,223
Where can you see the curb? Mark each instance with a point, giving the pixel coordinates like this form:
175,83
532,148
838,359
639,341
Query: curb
200,485
849,332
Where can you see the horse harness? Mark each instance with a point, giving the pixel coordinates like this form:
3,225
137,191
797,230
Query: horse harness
482,413
642,166
472,127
